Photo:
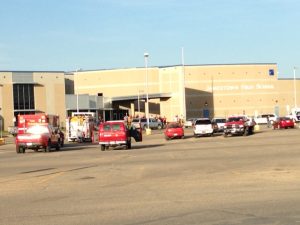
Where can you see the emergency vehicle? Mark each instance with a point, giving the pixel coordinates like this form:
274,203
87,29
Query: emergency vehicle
80,126
25,120
27,138
38,136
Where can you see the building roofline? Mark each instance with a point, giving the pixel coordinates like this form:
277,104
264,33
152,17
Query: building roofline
31,71
128,68
175,65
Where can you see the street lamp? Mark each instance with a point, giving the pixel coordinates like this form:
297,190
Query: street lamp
295,90
146,55
139,108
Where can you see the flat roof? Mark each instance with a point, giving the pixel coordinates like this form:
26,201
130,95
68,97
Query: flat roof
142,96
30,71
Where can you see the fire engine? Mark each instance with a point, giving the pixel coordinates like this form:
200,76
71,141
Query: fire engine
80,126
25,120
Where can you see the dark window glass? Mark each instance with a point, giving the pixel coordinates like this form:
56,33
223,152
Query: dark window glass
23,96
199,122
116,127
106,127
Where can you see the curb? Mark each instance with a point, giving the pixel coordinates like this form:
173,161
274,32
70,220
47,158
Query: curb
2,141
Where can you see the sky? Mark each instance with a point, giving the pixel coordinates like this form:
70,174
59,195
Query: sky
67,35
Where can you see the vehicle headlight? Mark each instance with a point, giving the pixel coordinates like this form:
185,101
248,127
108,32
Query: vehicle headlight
241,126
225,126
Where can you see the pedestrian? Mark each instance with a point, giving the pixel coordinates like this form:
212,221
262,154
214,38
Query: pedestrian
79,136
268,121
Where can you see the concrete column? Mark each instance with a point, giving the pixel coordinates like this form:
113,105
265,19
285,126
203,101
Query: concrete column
132,109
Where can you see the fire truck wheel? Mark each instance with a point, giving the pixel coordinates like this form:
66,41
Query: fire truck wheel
18,149
102,147
36,149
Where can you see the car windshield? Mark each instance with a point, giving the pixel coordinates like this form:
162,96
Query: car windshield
174,125
220,120
37,130
198,122
284,118
235,119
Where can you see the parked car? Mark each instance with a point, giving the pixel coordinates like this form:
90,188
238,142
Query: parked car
189,122
263,118
203,127
218,124
239,125
283,122
13,130
142,122
173,130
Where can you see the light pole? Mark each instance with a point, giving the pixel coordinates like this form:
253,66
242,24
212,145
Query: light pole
295,89
146,55
139,108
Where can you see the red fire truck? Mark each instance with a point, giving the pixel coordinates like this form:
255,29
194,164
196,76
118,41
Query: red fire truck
25,120
28,120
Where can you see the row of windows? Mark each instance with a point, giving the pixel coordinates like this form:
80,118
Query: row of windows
23,96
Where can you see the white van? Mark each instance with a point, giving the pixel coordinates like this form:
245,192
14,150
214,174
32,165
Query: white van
263,118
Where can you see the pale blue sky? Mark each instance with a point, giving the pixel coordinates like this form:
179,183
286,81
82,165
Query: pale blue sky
102,34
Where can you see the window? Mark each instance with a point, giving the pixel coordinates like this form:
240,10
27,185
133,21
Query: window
23,96
116,127
199,122
106,127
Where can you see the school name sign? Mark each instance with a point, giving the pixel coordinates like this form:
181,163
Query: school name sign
242,87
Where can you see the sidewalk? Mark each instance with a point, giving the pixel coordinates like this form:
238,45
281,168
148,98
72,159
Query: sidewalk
7,140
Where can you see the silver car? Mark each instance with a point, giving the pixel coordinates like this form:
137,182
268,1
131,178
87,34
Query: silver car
142,122
190,122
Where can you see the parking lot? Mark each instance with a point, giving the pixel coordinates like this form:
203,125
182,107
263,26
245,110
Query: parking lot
207,180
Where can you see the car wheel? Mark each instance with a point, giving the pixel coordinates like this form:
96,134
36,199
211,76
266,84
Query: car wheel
102,147
182,137
48,147
225,135
167,138
159,127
